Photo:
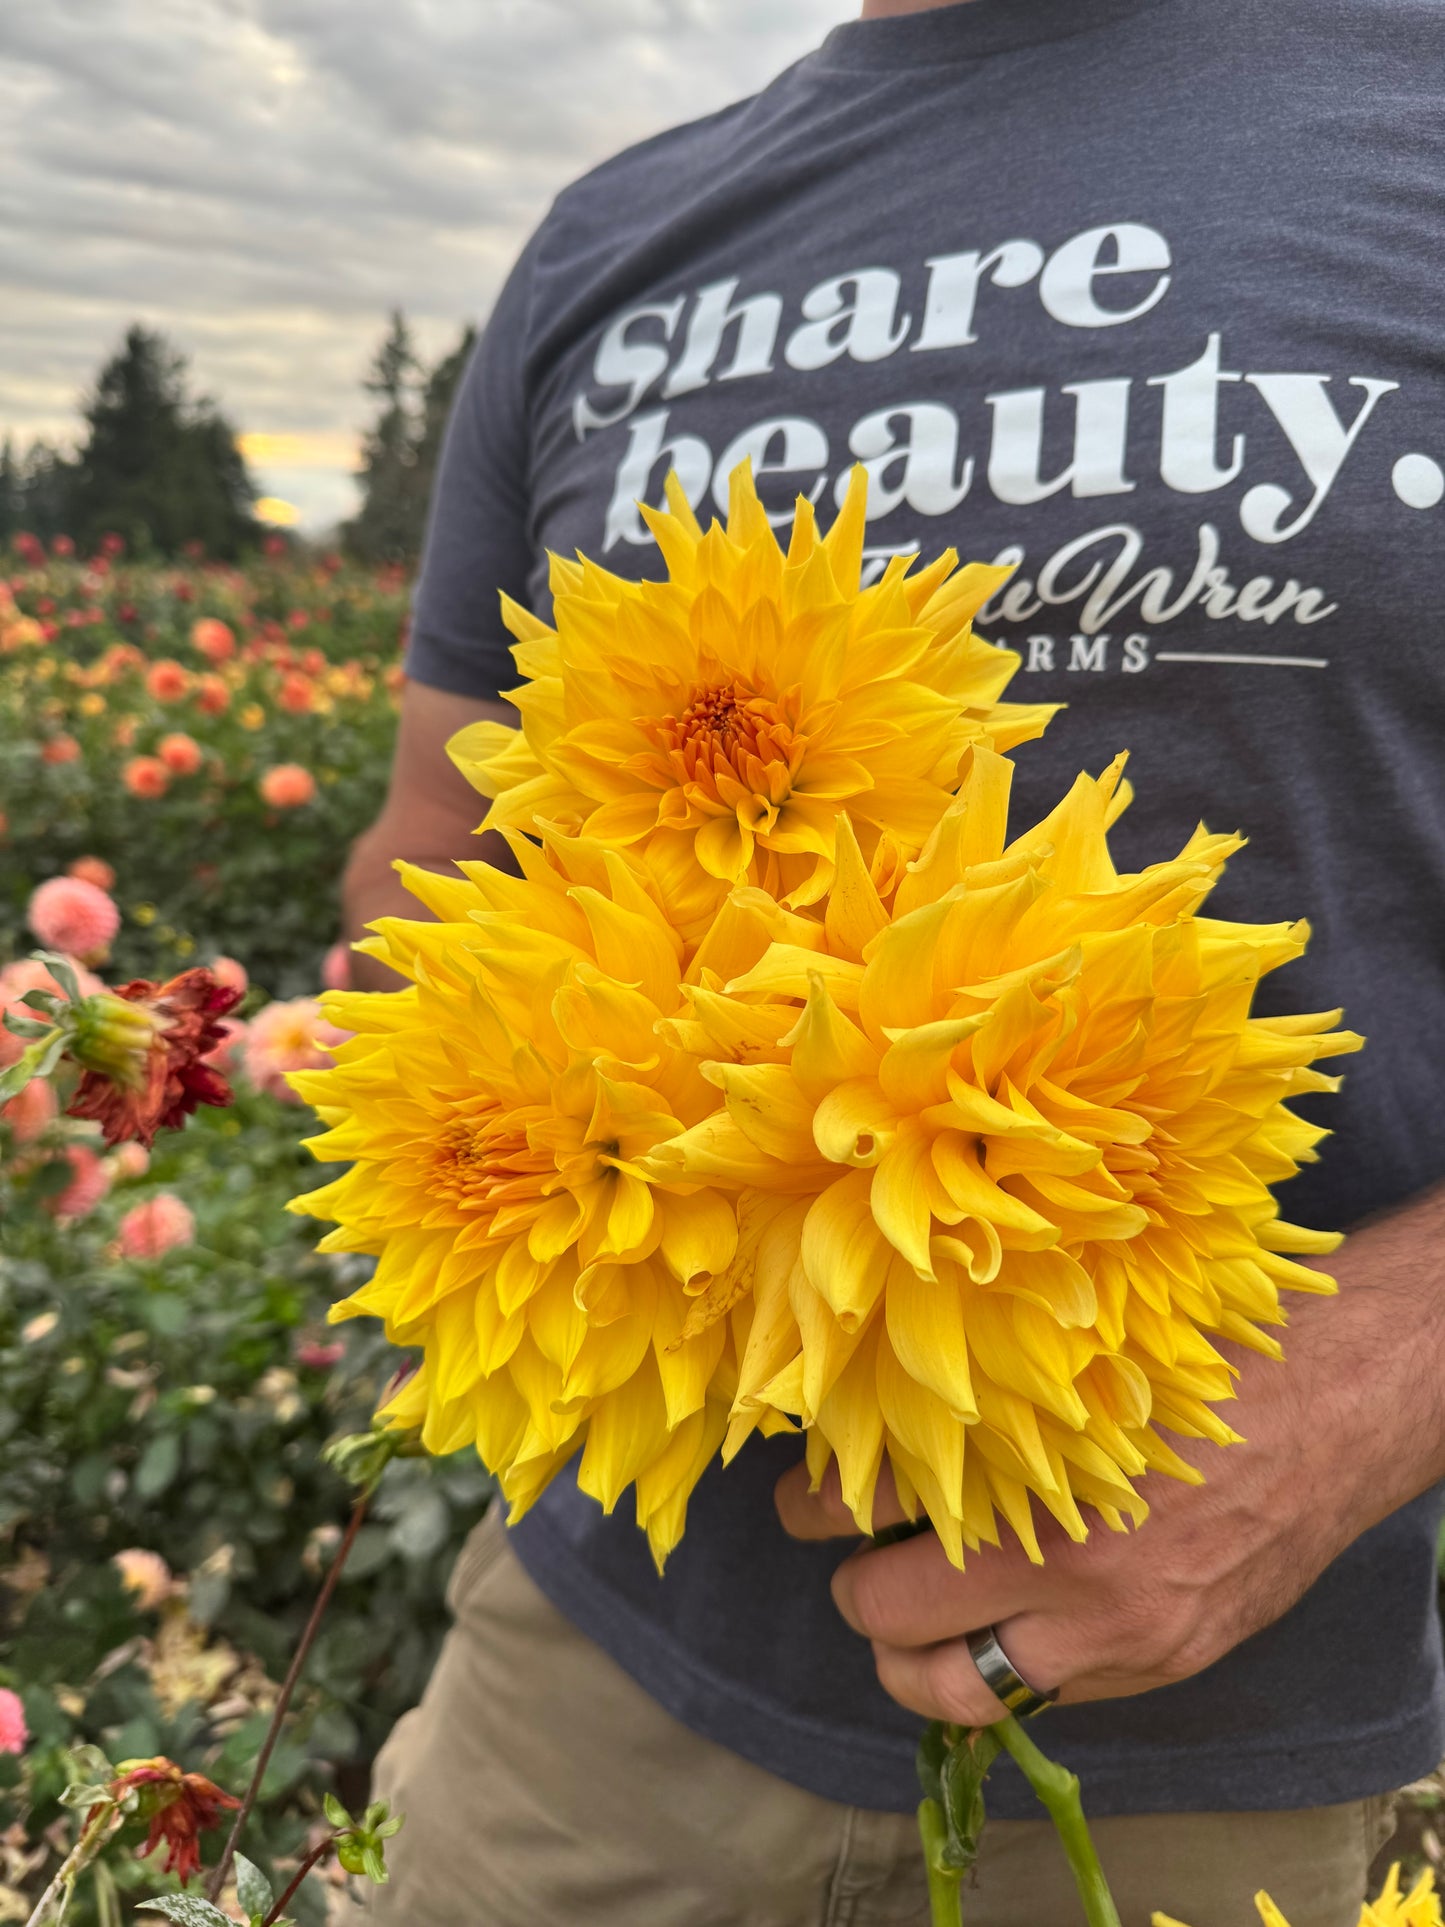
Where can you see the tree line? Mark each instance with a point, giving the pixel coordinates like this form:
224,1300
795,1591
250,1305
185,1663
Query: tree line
161,467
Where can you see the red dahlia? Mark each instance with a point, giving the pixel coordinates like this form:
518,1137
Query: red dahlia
144,1047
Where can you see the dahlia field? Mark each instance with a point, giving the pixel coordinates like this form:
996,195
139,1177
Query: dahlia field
185,755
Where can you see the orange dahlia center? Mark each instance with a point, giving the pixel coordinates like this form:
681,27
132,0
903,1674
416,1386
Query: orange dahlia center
728,743
484,1160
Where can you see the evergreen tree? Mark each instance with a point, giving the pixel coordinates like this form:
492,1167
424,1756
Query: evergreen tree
35,491
157,467
437,398
11,497
385,528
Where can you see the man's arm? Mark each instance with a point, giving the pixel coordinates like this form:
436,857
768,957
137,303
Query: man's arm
1349,1428
429,817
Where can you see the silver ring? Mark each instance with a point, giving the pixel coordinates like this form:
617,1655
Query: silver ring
1002,1679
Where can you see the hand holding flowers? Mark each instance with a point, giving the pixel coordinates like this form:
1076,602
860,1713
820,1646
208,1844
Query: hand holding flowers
1323,1457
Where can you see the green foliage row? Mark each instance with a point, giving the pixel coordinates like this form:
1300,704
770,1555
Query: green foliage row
168,1405
209,865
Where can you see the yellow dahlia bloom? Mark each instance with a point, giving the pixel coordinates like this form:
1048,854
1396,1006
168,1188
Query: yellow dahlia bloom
1007,1145
1420,1907
715,724
495,1115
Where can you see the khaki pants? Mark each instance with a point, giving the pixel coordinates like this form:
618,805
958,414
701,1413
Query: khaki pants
543,1788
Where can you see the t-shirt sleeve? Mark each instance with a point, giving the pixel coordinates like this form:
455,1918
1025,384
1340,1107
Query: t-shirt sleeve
477,542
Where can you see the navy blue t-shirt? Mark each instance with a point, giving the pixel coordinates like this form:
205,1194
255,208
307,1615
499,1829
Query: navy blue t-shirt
1148,297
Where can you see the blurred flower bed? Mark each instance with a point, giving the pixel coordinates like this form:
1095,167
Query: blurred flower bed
215,736
167,1379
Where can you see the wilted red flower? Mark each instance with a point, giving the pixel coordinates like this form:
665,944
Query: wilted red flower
62,748
147,1071
168,680
92,869
179,1806
145,776
212,696
180,753
287,785
213,638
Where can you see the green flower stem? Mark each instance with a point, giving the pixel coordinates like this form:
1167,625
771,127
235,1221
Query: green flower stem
283,1699
54,1903
945,1899
313,1859
1058,1791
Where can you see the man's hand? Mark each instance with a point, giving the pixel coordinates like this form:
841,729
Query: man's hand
429,817
1350,1427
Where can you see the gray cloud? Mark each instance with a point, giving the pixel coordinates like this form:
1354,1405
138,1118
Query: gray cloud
265,178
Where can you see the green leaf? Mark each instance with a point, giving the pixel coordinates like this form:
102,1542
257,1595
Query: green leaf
423,1528
159,1464
965,1768
62,970
89,1763
253,1889
81,1798
335,1812
189,1909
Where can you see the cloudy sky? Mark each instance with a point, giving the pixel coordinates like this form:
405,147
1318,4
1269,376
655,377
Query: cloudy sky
265,179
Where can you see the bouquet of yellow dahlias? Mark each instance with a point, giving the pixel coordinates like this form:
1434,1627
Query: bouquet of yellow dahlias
787,1088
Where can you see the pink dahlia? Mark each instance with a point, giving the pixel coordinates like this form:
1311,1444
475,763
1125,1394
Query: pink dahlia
288,1035
318,1354
130,1160
94,870
14,1733
145,1576
159,1225
75,916
286,786
214,639
89,1182
30,1110
336,969
227,1055
227,971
